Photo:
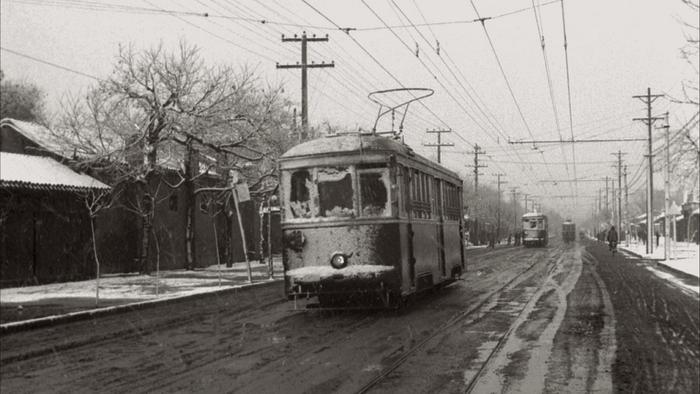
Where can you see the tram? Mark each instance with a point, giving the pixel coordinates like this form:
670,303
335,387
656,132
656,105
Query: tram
365,219
535,229
568,231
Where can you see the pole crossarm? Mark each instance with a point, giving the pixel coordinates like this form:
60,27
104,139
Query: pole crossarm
304,65
439,144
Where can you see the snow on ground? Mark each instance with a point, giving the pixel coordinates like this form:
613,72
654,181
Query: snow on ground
675,280
168,284
683,257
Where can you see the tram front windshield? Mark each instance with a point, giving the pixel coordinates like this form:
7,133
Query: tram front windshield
322,193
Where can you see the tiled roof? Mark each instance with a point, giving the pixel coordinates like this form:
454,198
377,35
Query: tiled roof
42,173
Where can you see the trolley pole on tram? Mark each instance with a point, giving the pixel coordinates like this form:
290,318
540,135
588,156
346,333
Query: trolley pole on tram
649,120
304,66
439,144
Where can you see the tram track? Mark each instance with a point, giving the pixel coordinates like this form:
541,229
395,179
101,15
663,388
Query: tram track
458,318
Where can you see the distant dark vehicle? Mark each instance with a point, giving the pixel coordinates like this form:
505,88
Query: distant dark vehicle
535,229
568,231
366,220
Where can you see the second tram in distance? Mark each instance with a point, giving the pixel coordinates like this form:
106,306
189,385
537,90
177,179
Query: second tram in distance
366,219
568,231
535,229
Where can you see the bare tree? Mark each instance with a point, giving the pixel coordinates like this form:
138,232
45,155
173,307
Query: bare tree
162,112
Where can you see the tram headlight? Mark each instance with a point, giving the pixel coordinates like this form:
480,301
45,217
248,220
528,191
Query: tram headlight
339,260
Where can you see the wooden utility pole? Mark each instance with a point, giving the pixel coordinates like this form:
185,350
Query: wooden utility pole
667,192
607,193
498,206
619,155
627,210
514,191
304,66
439,144
648,99
477,152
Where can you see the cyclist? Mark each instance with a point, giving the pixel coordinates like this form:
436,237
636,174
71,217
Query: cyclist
612,239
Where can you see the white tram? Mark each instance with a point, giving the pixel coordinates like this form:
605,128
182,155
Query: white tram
535,229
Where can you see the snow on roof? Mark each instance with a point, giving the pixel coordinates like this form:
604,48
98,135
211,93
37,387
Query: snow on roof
39,134
38,172
533,215
347,143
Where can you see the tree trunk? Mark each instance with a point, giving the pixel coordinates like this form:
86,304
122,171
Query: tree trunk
146,228
190,202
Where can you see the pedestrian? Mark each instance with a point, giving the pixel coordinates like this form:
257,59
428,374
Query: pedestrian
612,238
509,236
492,240
657,237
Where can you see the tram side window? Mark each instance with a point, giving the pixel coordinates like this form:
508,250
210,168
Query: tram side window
420,198
451,202
300,196
373,193
335,193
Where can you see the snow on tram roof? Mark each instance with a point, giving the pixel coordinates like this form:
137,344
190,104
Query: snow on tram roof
347,143
533,215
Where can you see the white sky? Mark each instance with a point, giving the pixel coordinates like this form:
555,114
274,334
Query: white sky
616,50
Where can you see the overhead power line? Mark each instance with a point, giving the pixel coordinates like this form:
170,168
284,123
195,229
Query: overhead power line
48,63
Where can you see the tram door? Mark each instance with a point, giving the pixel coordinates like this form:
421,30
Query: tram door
440,225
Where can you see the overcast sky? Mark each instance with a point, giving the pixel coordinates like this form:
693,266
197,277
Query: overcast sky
616,50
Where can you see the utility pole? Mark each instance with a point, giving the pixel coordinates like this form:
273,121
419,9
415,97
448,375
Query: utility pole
619,155
627,209
514,191
477,152
648,99
607,206
667,192
498,206
525,200
304,66
439,144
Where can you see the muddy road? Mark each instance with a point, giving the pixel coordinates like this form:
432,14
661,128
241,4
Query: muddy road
556,319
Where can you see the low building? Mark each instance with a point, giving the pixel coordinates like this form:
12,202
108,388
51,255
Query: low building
45,232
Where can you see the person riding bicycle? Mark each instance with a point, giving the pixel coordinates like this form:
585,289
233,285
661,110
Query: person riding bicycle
612,238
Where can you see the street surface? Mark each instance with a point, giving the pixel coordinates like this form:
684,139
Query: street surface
566,318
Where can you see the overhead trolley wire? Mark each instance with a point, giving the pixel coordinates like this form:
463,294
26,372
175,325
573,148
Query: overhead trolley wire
503,73
368,53
568,89
476,103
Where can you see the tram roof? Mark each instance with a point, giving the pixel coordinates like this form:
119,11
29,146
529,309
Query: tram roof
533,215
346,143
357,143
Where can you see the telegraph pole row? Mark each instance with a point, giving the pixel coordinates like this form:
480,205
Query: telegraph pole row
648,99
439,144
304,79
